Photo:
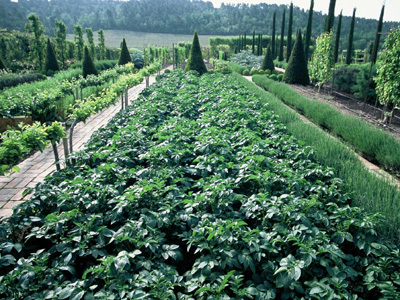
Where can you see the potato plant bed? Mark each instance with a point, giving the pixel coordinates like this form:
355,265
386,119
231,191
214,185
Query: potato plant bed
195,192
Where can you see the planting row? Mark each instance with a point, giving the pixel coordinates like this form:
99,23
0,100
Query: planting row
17,143
375,145
196,191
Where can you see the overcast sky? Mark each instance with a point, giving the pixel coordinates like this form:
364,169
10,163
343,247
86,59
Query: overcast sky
370,9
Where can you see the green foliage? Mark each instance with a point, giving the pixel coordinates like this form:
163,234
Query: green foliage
273,41
350,46
290,32
321,62
309,31
88,67
364,184
36,27
100,65
282,36
388,78
337,39
297,71
3,66
268,63
11,80
79,42
51,60
378,36
125,56
102,44
60,32
345,78
330,19
209,199
195,61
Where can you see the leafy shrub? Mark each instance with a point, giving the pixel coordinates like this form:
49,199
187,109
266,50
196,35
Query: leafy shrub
11,80
138,60
345,78
261,72
253,71
88,66
247,60
274,77
167,71
195,61
124,56
100,65
279,77
245,72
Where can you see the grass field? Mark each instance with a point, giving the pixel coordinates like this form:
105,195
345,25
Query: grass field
143,39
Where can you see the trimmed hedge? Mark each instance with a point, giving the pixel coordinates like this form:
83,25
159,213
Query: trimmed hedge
101,65
10,80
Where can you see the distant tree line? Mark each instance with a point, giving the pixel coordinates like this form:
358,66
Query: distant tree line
177,16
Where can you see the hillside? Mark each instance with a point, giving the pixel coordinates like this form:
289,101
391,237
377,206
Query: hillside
172,16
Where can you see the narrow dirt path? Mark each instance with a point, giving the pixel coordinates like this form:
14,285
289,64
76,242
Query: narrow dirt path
35,168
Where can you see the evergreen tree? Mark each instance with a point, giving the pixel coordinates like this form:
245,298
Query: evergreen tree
195,60
273,35
88,65
377,37
339,25
79,42
124,56
102,44
245,42
351,34
268,62
60,32
290,31
282,36
51,60
253,45
260,47
330,19
309,30
2,64
296,71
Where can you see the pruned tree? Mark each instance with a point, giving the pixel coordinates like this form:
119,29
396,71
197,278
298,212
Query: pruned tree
296,70
88,65
92,47
195,61
282,36
102,44
290,32
51,59
350,49
79,42
3,65
36,27
321,62
308,32
253,45
330,19
337,40
273,35
388,77
268,62
60,32
125,56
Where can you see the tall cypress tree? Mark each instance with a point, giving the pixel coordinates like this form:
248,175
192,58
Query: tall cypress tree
309,30
290,32
377,37
51,60
124,56
282,36
330,19
273,35
351,34
88,65
195,60
296,71
253,45
79,41
338,30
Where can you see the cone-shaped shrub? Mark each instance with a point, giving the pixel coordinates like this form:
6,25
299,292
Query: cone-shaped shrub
2,64
296,71
124,56
88,65
195,61
51,60
268,62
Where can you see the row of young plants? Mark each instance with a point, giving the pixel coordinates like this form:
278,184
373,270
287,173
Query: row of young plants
11,80
27,99
374,144
17,143
196,191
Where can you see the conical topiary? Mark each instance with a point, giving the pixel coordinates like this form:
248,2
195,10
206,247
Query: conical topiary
2,64
88,65
296,71
124,56
268,62
195,61
51,60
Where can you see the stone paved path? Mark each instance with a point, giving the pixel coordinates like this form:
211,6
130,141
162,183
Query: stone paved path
35,168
